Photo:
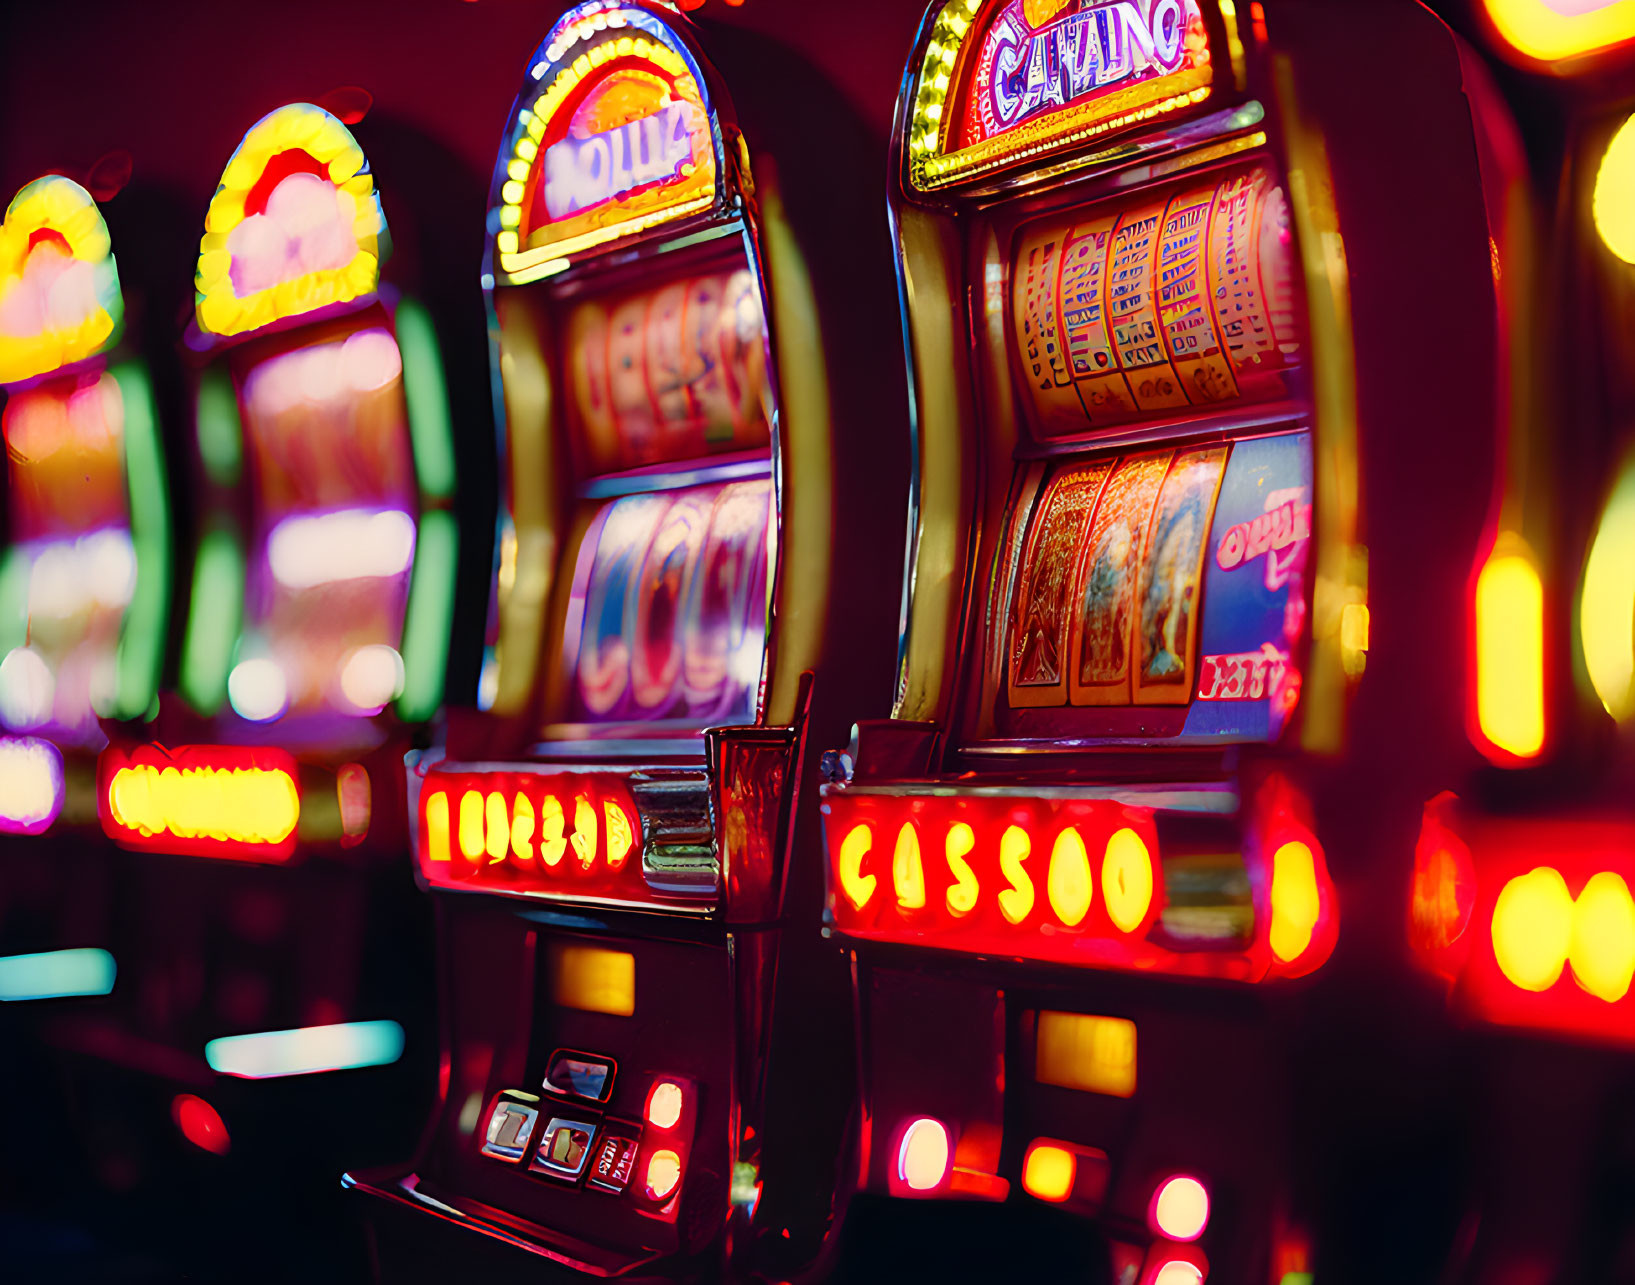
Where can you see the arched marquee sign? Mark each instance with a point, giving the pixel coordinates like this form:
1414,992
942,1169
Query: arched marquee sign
615,135
295,225
59,287
1004,79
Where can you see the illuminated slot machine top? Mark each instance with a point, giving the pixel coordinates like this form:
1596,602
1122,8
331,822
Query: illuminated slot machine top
1137,601
322,575
84,579
608,840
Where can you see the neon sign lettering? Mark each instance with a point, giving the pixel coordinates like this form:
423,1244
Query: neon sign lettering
1033,72
1281,533
582,173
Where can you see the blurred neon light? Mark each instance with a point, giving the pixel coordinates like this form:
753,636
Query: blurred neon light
1444,886
858,887
1550,30
593,980
59,287
1296,903
1180,1208
1606,612
257,689
1016,901
214,617
1087,1052
294,226
664,1105
1510,651
31,784
923,1155
426,395
142,636
1048,1171
663,1173
428,622
907,869
201,800
56,974
1602,946
1532,928
308,1050
1126,880
28,690
510,832
351,544
200,1123
1069,886
1178,1272
371,677
1613,202
218,428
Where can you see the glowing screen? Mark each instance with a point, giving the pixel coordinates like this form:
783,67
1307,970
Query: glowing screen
668,614
1168,303
1001,83
71,570
670,374
328,440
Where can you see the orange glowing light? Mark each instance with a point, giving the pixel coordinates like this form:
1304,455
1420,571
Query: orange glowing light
1087,1052
858,887
200,1123
1048,1171
1015,902
1180,1208
907,869
663,1173
923,1155
1296,902
594,980
584,830
1126,880
1602,946
1069,886
1444,888
962,893
1532,928
664,1105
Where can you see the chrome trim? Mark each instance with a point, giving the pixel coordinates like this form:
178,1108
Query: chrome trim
678,832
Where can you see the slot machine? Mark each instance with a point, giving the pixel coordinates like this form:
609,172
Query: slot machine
1141,755
608,843
266,928
85,573
1520,903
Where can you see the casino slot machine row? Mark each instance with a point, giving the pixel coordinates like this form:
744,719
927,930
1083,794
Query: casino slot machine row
1520,904
256,933
608,843
1135,767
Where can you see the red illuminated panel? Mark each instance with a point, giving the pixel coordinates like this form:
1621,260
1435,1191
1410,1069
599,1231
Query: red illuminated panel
665,375
1534,920
575,835
1042,607
1069,880
1189,301
668,618
200,800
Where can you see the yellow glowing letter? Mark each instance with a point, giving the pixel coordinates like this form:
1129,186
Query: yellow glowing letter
584,831
499,827
437,827
1069,887
907,870
1015,902
552,845
1532,928
522,828
857,886
1295,900
1126,879
962,893
471,825
620,834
